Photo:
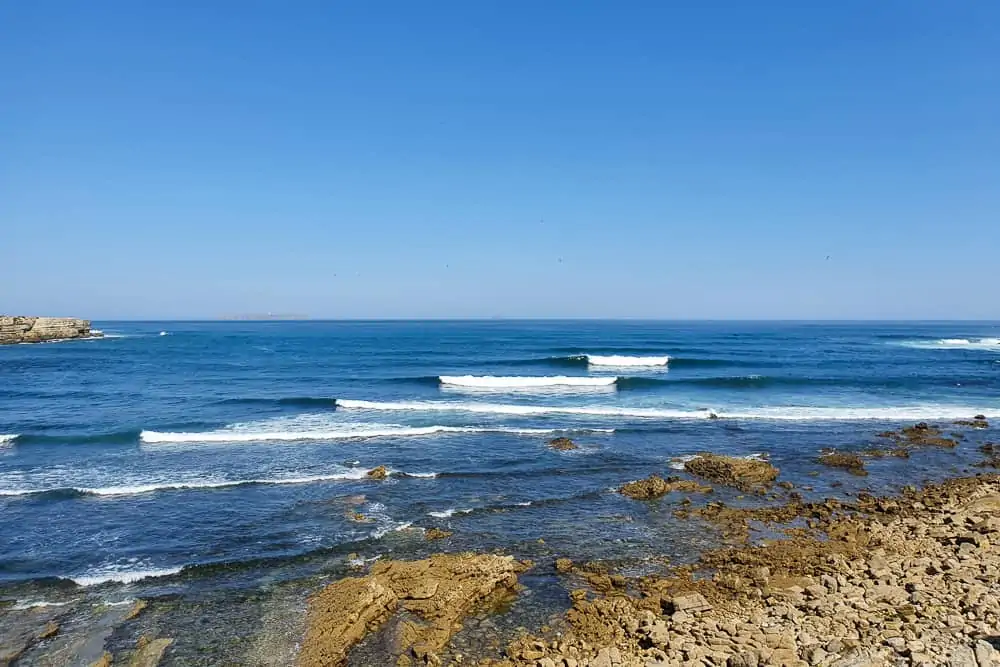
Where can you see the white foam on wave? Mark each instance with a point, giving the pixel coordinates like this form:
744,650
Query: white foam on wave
505,409
349,433
779,413
444,514
122,576
987,344
623,361
888,414
21,605
7,437
520,382
137,489
321,427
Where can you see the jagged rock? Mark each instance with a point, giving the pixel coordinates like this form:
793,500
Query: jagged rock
655,486
744,474
136,609
436,534
852,463
436,593
380,472
564,565
690,603
16,329
562,444
149,652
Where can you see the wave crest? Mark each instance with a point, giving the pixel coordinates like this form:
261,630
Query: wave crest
121,576
988,344
623,361
520,382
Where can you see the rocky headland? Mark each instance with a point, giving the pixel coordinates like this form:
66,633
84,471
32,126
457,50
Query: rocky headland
17,329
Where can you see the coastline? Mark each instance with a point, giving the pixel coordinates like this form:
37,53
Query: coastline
906,579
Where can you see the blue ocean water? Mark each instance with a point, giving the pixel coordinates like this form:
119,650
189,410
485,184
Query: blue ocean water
188,451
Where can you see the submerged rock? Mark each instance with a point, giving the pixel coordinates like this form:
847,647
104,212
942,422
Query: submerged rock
743,474
979,421
849,462
562,444
149,652
435,595
436,534
920,434
655,486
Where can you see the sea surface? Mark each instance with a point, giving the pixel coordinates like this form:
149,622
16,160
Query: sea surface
226,454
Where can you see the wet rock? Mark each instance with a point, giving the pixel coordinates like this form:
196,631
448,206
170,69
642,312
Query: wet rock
849,462
979,421
923,434
136,609
562,444
149,652
435,593
564,565
655,486
380,472
743,474
50,630
436,534
105,660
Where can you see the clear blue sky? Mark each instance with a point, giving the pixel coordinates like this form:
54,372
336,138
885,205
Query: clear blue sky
472,159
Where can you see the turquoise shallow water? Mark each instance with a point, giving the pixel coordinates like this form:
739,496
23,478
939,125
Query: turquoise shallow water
227,452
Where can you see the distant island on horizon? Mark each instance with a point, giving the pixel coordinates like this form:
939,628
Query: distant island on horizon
266,316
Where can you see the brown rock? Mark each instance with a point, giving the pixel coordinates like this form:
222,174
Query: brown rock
690,603
135,610
50,630
744,474
655,486
564,565
849,462
562,444
381,472
104,661
437,593
150,652
436,534
16,329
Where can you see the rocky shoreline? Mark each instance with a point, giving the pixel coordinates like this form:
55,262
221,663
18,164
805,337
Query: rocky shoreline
912,579
18,329
854,581
907,580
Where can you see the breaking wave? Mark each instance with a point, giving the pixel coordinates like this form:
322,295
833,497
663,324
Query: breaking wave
504,409
183,485
7,437
346,433
622,361
517,382
989,344
122,576
784,413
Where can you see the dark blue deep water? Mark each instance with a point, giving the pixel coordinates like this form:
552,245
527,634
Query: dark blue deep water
216,451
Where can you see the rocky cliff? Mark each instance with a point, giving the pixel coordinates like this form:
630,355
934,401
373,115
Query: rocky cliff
38,329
